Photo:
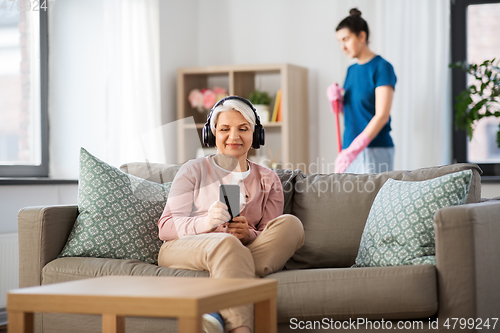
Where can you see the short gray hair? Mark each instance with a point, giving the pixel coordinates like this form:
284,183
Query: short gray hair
233,105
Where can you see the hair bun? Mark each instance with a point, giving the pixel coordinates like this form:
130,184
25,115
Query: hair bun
354,12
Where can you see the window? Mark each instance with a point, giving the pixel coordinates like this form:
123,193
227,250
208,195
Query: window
474,38
23,91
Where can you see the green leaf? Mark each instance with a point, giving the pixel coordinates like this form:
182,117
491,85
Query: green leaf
483,85
259,97
485,90
478,106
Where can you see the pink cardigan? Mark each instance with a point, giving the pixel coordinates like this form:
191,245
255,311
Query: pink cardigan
196,188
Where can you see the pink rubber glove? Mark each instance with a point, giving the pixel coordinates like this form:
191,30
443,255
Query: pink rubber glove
334,93
346,156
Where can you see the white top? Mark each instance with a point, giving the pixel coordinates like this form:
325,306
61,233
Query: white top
236,177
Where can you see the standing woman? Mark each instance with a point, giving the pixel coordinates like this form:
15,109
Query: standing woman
369,88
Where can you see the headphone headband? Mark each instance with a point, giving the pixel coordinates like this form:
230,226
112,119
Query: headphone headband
241,99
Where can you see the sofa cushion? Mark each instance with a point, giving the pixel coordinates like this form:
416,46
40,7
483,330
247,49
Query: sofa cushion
400,225
398,292
287,178
118,214
155,172
333,209
69,269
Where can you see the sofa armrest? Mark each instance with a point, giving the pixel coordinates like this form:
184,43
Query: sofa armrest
467,250
43,232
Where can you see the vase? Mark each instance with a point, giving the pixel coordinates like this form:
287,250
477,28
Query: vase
263,112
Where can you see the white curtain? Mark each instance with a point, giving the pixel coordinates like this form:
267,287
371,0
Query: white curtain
133,81
414,37
104,83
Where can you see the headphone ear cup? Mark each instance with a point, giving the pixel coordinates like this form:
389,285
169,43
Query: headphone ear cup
258,137
208,136
262,135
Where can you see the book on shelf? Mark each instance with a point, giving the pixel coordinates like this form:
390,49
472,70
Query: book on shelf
277,107
278,117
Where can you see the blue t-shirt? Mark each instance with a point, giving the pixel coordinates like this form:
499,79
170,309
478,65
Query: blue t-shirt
359,99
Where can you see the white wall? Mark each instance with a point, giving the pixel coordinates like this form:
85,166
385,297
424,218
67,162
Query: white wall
490,190
178,48
15,197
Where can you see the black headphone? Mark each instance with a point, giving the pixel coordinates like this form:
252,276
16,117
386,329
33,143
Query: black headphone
258,132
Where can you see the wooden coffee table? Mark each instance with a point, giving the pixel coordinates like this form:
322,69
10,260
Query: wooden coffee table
115,297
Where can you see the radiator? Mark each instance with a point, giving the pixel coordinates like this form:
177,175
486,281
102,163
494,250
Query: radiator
9,265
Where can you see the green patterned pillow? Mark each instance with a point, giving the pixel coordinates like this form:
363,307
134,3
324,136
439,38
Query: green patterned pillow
400,225
118,214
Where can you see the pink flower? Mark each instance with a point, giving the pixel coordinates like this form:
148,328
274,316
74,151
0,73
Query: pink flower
209,99
219,90
205,99
220,93
196,99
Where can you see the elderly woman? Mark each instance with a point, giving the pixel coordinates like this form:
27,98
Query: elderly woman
195,224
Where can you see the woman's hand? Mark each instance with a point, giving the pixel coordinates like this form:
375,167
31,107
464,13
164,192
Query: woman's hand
347,156
218,214
383,102
239,228
335,93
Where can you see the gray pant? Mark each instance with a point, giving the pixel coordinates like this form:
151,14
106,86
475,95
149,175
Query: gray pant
373,160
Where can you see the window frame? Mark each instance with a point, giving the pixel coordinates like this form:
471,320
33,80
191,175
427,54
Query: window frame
42,170
491,171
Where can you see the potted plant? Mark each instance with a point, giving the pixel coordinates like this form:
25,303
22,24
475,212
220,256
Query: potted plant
482,98
261,101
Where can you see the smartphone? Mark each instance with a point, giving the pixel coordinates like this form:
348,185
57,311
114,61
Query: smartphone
230,195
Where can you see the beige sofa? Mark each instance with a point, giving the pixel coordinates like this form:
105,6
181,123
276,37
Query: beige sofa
317,283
